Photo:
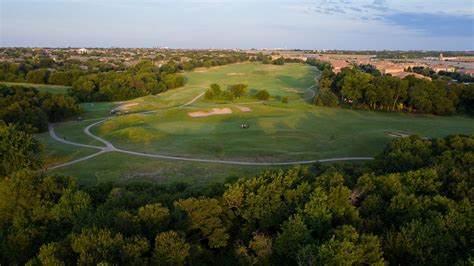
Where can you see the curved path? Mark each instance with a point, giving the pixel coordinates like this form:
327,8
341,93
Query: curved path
109,147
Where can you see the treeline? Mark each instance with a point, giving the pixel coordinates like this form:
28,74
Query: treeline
32,109
411,206
268,59
456,76
352,87
140,80
114,81
233,92
47,71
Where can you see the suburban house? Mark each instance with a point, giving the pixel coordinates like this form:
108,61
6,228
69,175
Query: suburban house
439,68
404,74
469,72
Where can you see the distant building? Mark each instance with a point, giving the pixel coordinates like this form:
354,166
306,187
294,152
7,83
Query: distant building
404,74
442,58
82,51
439,68
469,72
338,65
388,68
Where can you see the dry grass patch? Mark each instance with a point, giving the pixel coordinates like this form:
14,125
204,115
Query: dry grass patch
236,74
292,90
244,109
215,111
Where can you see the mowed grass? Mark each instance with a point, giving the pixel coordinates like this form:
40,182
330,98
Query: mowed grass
41,87
123,168
96,110
289,80
56,153
74,131
276,134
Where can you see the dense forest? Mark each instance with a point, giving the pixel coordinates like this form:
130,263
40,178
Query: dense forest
32,109
411,206
364,87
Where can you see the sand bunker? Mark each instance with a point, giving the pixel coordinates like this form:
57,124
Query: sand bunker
397,134
235,74
126,106
293,90
215,111
244,109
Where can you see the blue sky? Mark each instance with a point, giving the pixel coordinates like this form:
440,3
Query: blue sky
305,24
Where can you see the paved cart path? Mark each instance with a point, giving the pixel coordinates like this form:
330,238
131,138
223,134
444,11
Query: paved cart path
109,147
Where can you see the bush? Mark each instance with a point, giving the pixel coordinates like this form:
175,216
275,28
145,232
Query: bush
238,90
262,95
326,98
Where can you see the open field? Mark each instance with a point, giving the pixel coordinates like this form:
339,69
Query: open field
290,80
40,87
118,167
278,132
58,154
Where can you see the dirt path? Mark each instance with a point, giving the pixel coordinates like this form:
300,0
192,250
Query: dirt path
109,147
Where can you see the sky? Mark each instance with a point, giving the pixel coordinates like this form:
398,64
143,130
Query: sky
291,24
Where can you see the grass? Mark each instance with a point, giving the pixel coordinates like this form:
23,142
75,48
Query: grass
117,167
290,80
278,132
74,131
96,110
275,133
56,153
40,87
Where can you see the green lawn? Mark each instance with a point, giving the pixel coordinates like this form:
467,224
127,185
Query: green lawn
41,87
96,110
118,167
290,80
74,131
275,133
57,153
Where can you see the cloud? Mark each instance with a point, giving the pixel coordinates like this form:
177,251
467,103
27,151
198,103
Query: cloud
433,24
439,21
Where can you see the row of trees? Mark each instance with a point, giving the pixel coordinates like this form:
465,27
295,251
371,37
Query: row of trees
143,79
32,109
459,77
233,92
411,206
114,82
355,88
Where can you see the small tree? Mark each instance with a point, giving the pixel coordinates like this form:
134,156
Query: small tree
216,89
262,95
214,92
238,90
